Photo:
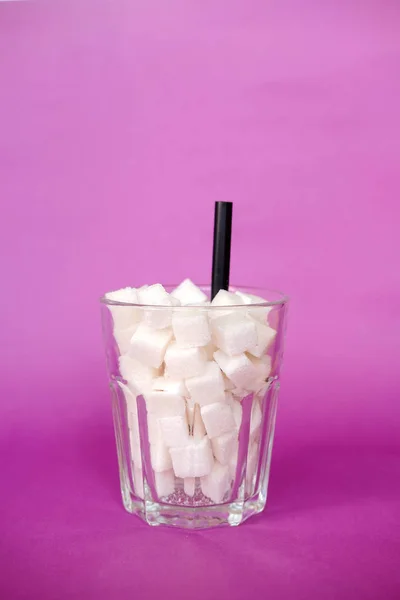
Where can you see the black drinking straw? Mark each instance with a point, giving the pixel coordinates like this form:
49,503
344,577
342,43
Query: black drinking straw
221,247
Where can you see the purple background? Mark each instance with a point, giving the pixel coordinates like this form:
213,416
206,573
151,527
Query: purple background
120,124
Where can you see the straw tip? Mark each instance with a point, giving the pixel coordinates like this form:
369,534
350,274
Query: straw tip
221,247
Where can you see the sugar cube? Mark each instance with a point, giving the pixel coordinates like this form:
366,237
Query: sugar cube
160,456
153,429
264,367
189,486
234,334
123,338
191,328
138,376
229,385
124,316
182,363
224,446
218,419
216,485
165,404
133,424
155,295
238,368
136,453
237,413
258,312
209,350
208,387
148,345
165,483
175,431
131,410
198,429
261,393
265,336
164,384
225,299
190,413
188,293
239,394
194,460
228,397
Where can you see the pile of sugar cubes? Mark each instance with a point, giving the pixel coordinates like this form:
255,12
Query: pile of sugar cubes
193,361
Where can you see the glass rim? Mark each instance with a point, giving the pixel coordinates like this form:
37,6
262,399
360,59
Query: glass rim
246,289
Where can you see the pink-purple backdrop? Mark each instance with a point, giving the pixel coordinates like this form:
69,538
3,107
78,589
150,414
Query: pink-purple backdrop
120,124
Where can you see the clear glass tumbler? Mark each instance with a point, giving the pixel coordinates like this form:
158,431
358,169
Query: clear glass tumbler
194,423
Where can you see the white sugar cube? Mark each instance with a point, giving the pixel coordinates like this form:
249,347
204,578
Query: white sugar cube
133,424
225,299
265,337
157,296
148,345
194,460
182,363
261,393
237,413
229,385
136,453
190,413
124,316
160,456
153,295
198,429
188,293
138,376
123,338
153,429
131,410
255,420
238,368
234,334
224,446
217,484
138,482
189,486
264,367
175,431
228,397
165,483
191,328
164,384
132,416
239,394
208,387
209,350
165,404
218,419
258,312
259,383
127,366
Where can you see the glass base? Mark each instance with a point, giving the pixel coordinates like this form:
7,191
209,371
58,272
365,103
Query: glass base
246,496
194,517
